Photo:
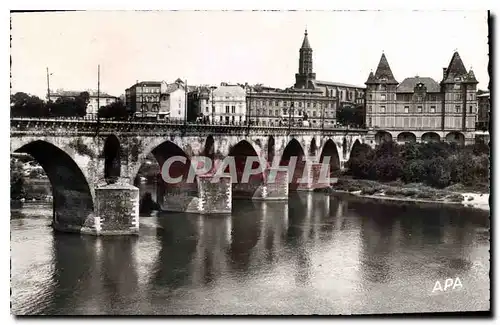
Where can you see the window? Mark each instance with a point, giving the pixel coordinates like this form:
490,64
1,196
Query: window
227,109
206,109
470,109
314,104
382,109
382,96
433,109
308,105
179,113
407,109
419,109
370,96
457,109
284,111
314,113
213,109
233,109
458,96
300,104
277,112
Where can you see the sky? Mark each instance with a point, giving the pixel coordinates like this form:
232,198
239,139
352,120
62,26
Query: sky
228,46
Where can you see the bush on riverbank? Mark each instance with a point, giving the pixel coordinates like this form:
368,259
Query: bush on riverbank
436,164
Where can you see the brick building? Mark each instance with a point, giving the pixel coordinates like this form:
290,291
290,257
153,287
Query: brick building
419,108
143,98
483,111
311,99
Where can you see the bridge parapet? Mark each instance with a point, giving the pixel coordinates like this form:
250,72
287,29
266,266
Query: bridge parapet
84,126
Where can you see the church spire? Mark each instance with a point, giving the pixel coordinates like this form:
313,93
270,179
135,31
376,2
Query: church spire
305,77
305,42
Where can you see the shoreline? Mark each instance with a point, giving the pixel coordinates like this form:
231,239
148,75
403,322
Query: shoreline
376,191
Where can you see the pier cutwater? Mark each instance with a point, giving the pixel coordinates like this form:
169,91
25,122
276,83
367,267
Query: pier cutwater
202,169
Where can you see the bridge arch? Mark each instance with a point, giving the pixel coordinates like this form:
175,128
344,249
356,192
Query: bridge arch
382,136
407,137
330,150
270,149
455,137
73,200
240,151
313,148
431,137
209,148
112,159
293,149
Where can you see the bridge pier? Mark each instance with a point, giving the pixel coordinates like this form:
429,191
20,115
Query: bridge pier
314,176
116,211
274,187
209,198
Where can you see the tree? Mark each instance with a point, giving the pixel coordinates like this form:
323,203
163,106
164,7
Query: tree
116,110
352,115
17,190
23,104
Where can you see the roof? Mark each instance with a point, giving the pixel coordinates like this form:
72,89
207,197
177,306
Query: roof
305,42
337,84
484,95
233,91
456,69
75,93
383,73
408,85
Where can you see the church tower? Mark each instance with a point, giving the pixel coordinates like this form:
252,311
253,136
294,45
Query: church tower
306,77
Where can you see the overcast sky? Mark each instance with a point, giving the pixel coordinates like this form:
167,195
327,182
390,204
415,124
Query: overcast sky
254,47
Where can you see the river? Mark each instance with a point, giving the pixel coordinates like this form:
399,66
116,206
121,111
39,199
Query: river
315,254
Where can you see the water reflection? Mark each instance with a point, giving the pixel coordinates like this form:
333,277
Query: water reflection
316,253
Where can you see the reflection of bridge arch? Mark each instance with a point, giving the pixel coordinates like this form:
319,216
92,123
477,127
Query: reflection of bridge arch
455,137
407,137
72,197
382,136
431,137
330,150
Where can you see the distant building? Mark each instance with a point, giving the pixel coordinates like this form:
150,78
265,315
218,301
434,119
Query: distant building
199,103
93,105
228,103
274,107
143,98
172,100
309,99
483,111
419,108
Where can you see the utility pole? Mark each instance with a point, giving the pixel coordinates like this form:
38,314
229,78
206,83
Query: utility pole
98,89
249,105
186,101
48,86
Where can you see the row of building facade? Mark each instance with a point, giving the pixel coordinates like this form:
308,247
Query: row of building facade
415,109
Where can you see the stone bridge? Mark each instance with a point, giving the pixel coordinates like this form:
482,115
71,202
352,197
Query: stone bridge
92,165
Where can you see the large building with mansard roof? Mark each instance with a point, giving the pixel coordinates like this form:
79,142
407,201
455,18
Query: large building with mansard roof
420,108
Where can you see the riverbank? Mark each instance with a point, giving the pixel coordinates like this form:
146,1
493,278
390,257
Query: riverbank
413,192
